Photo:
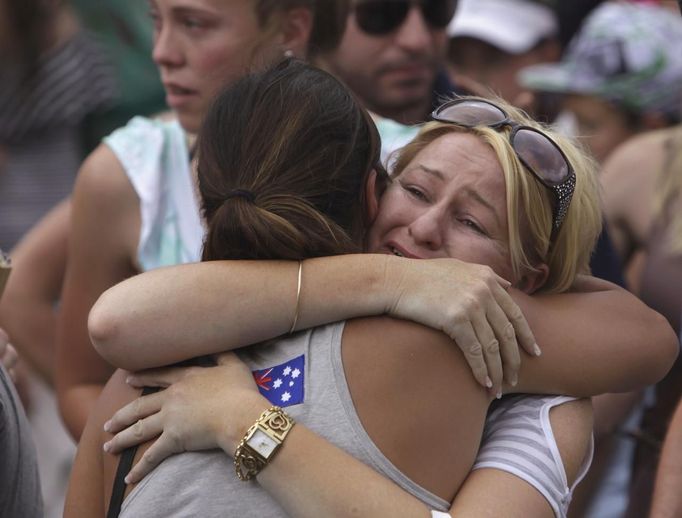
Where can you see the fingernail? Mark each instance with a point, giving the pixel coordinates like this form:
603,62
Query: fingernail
107,447
536,350
129,380
488,382
499,395
127,479
514,380
107,426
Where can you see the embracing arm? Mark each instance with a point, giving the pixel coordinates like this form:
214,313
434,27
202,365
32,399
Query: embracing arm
102,240
338,485
28,307
301,480
151,319
93,472
596,340
85,494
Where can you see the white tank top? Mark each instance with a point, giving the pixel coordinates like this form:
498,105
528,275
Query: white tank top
154,155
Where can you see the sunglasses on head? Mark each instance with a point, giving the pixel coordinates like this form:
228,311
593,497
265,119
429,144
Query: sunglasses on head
538,153
379,17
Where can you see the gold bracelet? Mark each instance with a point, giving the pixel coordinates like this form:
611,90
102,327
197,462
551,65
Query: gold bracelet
261,442
298,297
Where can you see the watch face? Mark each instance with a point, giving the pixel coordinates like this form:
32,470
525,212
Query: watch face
262,443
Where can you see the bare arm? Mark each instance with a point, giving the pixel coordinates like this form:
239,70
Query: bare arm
595,342
28,308
102,241
597,339
473,307
85,494
667,502
93,471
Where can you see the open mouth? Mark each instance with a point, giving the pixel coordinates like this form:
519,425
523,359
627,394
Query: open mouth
178,90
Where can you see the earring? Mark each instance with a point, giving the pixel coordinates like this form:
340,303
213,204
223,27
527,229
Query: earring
288,53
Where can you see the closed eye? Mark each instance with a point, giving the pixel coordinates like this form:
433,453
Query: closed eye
473,226
415,192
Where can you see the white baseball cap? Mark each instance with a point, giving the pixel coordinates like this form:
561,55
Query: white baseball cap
513,26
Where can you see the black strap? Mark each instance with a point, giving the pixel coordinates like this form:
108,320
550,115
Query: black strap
125,463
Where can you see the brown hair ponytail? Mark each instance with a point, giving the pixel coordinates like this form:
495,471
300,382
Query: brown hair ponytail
283,159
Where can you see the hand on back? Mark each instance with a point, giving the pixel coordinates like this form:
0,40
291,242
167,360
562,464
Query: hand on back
471,304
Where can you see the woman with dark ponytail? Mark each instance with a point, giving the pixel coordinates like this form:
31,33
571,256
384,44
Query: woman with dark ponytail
277,186
284,158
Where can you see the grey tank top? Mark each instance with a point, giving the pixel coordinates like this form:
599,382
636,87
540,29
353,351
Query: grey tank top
305,366
304,373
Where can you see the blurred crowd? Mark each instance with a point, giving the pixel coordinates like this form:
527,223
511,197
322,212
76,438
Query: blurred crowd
100,103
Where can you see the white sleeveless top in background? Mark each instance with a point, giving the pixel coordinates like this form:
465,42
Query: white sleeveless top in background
154,155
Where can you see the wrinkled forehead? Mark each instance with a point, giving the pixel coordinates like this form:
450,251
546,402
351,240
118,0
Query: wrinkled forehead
464,160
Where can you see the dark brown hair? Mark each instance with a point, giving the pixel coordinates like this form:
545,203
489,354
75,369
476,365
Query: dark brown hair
283,160
329,20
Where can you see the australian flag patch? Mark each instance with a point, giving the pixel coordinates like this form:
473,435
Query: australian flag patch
283,385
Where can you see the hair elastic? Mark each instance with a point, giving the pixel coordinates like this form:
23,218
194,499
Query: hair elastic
241,193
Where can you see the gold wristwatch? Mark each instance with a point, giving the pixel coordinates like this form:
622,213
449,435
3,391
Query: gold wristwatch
261,442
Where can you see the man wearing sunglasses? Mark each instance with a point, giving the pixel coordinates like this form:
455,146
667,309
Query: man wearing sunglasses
392,56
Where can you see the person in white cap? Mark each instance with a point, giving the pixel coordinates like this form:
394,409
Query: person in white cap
491,40
620,75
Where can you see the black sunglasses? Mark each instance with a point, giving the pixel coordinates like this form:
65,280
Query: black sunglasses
538,153
379,17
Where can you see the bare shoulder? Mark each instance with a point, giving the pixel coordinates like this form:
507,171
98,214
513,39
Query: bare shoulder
640,155
416,398
102,174
629,179
105,206
572,427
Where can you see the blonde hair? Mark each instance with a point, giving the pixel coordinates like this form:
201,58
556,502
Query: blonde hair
529,203
668,194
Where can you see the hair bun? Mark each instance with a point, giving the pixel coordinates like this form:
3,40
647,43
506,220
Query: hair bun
241,193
